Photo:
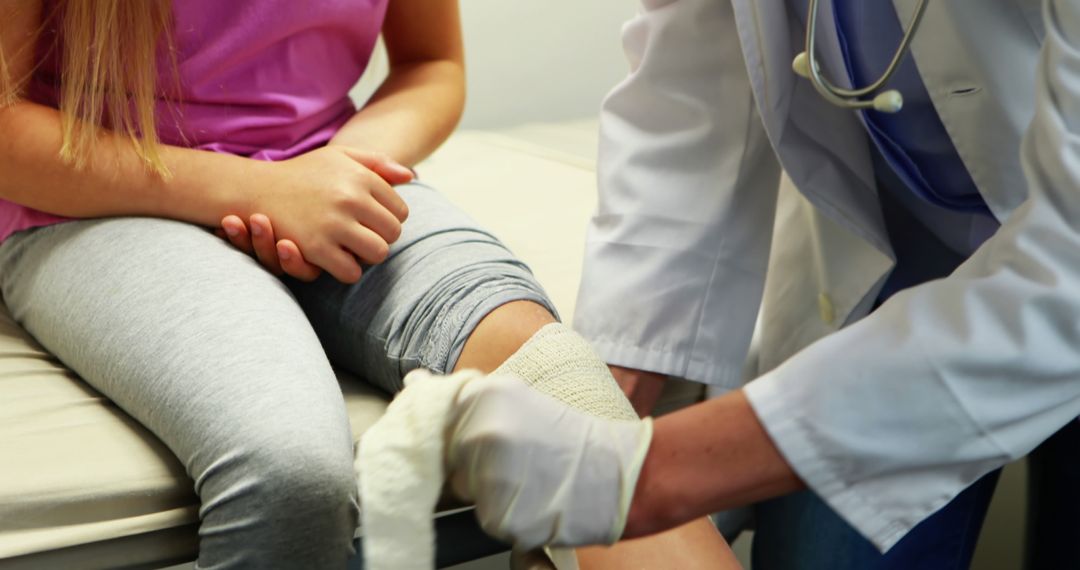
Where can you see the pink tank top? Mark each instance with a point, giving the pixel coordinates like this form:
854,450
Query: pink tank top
266,79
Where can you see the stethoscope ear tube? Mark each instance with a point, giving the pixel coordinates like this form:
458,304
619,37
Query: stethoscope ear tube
891,101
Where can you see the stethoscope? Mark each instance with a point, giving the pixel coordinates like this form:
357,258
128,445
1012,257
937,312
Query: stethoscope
891,101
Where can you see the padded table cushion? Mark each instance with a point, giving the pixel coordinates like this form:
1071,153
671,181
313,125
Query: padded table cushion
80,480
78,470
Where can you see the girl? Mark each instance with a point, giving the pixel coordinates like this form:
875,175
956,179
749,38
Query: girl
129,125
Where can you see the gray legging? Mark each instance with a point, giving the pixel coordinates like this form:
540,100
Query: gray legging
224,363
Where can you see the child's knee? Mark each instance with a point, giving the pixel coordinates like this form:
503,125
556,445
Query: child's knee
280,501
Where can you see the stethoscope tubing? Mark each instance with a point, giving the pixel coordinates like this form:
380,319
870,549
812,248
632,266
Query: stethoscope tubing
852,98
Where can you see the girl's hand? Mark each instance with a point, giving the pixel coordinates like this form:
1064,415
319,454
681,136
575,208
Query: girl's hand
278,256
332,209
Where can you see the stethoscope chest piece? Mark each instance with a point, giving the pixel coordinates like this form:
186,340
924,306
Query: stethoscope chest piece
889,101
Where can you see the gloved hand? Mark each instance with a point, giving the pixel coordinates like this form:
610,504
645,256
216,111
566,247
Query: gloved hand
540,472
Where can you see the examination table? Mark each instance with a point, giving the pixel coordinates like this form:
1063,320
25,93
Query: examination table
84,486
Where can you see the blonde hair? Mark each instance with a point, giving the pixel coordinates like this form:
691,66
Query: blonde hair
8,92
108,73
10,87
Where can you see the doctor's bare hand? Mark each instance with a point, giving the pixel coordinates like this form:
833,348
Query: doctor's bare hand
331,209
642,388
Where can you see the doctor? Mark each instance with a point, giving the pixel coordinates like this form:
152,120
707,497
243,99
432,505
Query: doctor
919,321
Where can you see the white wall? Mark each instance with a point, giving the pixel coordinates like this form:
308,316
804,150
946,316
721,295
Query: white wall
546,60
536,61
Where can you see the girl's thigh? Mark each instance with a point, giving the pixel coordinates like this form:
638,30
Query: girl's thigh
189,336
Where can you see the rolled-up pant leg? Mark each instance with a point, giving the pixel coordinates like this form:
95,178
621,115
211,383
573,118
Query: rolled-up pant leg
213,355
417,309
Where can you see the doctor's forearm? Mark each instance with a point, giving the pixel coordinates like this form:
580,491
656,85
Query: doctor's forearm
707,458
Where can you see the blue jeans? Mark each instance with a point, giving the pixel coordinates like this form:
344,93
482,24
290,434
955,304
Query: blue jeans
801,532
1053,524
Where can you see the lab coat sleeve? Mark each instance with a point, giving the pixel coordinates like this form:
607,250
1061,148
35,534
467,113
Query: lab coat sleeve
677,251
890,418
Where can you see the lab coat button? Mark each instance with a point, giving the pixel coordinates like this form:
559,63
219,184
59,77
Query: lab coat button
826,309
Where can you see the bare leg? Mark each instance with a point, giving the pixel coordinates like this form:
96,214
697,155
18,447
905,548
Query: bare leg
688,547
501,334
694,545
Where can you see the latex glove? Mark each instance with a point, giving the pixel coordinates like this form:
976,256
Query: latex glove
540,472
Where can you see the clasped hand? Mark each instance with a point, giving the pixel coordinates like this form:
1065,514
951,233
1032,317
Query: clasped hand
331,210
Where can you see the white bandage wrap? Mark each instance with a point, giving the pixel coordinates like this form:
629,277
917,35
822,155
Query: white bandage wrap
560,363
403,472
402,454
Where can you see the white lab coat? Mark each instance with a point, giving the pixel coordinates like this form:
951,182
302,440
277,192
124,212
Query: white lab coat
886,417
